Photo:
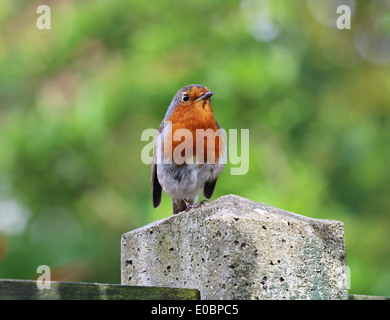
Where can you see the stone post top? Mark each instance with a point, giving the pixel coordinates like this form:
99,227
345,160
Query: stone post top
235,207
235,248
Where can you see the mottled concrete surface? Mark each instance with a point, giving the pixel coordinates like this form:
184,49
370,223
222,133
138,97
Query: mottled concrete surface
234,248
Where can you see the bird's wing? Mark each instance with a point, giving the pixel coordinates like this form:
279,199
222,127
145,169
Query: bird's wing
156,187
208,188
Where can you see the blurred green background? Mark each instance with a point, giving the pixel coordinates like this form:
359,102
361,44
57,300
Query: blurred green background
75,99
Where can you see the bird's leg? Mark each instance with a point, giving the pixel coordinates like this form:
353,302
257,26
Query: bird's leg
189,205
200,203
192,206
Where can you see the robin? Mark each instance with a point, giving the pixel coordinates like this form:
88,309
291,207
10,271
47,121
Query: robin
189,150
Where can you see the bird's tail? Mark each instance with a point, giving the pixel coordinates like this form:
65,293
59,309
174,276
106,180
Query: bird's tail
178,205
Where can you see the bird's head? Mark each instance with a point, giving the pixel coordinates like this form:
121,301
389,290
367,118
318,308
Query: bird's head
192,98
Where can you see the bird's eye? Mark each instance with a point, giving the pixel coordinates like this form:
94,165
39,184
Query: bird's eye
185,97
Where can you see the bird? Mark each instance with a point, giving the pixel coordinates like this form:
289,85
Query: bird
183,166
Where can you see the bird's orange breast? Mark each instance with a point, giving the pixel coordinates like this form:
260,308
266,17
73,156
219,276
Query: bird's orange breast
198,116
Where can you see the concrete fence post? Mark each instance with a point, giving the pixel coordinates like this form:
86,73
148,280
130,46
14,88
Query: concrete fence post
234,248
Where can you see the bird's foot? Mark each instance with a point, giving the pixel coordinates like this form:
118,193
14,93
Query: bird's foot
192,206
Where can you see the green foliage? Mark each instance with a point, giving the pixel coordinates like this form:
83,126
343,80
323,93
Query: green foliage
75,99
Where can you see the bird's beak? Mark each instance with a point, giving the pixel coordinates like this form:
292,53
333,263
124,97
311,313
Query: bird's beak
206,96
